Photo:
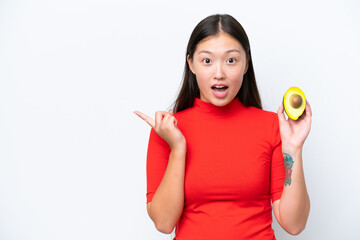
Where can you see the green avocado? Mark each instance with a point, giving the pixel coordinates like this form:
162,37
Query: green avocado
294,102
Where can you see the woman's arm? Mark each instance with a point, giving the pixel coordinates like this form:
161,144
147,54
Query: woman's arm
167,203
292,210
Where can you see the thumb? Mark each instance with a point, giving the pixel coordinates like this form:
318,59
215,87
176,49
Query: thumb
281,114
172,114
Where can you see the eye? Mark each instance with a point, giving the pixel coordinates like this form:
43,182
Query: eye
231,60
207,61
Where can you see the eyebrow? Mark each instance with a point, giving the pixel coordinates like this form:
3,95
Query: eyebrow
228,51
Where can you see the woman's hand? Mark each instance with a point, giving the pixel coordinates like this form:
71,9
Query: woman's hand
294,132
292,209
165,125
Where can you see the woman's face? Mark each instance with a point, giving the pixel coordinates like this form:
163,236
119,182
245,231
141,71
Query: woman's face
218,60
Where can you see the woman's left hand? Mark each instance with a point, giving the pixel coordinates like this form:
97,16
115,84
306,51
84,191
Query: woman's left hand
294,132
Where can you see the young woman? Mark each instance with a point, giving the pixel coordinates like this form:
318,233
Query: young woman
217,161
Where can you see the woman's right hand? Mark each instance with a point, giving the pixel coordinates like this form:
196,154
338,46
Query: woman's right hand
165,125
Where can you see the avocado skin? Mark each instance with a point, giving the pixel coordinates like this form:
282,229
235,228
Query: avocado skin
293,113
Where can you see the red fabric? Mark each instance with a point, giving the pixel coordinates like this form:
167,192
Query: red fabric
234,168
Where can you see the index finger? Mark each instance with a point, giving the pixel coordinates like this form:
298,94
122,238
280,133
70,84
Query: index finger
146,118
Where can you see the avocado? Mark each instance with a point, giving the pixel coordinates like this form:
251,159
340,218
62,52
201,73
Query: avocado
294,102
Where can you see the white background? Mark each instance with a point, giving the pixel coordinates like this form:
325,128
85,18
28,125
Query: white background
72,153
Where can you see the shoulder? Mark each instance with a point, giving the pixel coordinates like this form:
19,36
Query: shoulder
186,113
262,115
266,123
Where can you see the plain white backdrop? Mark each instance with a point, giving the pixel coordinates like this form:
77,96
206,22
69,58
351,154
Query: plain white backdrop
73,154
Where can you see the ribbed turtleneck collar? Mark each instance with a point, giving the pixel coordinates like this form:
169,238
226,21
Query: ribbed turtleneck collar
228,109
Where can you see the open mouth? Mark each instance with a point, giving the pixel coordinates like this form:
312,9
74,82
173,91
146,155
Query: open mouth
219,88
220,91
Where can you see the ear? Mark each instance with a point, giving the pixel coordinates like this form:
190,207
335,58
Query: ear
191,64
246,67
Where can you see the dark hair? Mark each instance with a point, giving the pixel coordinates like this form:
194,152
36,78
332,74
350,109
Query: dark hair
212,25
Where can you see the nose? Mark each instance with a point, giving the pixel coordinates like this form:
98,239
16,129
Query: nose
219,72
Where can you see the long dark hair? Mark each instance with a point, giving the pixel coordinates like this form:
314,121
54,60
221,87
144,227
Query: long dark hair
212,25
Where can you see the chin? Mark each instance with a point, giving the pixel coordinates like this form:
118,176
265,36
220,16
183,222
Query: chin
221,102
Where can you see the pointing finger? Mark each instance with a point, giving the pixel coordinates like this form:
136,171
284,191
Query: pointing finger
146,118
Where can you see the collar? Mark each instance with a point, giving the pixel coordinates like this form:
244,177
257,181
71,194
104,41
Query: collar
228,109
